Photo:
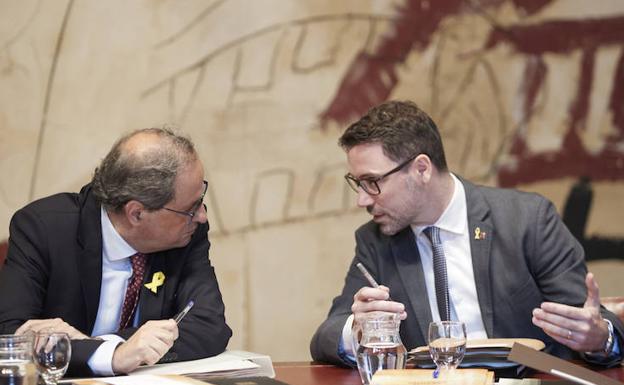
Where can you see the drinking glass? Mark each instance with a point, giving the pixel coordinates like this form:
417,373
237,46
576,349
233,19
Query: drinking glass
52,355
16,364
380,347
447,344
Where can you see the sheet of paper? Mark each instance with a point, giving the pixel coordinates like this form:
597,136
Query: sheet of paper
134,380
222,363
233,363
140,380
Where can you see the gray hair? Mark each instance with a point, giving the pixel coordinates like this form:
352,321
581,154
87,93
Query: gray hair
148,176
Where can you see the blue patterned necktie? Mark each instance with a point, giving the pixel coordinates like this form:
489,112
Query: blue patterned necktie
439,272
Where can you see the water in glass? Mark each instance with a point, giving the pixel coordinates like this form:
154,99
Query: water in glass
447,344
52,355
380,347
16,365
447,351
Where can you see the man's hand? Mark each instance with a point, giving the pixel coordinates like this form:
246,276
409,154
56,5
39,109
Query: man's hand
55,325
369,299
146,346
581,329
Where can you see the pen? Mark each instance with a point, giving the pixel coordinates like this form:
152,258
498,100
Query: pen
369,277
181,314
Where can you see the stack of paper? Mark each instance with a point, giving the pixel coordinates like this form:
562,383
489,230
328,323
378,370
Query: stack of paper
425,377
231,363
485,353
147,379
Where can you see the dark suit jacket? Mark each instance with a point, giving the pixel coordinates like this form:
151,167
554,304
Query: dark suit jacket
54,269
528,256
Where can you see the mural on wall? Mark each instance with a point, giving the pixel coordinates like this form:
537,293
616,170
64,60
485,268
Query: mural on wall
525,92
373,75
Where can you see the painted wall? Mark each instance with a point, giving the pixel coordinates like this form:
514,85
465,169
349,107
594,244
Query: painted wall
527,94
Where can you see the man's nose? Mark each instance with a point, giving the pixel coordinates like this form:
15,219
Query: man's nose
364,199
201,215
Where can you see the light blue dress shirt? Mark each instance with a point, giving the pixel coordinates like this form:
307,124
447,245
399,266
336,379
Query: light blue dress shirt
116,272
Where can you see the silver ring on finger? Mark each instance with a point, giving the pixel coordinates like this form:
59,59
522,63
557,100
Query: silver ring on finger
569,336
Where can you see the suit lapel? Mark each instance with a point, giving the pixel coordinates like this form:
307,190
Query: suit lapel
407,259
89,262
90,269
480,233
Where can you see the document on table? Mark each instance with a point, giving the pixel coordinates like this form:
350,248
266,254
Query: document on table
143,380
481,353
231,363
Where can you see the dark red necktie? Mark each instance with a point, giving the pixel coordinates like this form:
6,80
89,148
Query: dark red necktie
131,299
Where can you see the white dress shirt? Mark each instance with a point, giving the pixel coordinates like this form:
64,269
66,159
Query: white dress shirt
116,272
453,224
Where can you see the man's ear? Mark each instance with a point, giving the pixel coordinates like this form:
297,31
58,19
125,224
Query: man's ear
133,211
423,167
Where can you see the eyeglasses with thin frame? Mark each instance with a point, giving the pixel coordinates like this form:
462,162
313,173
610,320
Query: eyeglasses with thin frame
371,185
196,206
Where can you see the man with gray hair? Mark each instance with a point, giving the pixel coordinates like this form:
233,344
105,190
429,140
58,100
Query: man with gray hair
112,265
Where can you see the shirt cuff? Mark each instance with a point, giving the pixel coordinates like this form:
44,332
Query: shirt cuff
101,361
347,347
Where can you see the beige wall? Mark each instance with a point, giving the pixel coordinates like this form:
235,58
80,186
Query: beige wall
248,81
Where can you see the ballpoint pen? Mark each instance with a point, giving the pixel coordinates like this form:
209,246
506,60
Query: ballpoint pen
186,309
369,277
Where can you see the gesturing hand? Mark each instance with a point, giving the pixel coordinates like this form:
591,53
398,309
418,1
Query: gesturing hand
581,329
56,325
146,346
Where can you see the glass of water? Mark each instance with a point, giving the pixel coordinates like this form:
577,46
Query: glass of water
380,347
447,344
52,353
16,364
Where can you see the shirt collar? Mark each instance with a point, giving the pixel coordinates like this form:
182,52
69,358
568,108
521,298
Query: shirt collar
113,245
454,218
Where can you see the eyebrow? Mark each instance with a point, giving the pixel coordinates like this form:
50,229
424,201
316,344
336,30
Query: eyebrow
366,176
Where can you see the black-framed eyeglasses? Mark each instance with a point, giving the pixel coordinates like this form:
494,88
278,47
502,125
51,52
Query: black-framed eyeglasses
196,206
371,185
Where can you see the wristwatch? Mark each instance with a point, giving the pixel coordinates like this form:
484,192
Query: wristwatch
610,340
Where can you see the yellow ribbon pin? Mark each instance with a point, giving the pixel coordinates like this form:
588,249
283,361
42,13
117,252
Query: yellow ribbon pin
157,280
479,234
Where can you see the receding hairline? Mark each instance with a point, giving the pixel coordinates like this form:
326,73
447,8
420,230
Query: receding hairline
143,143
